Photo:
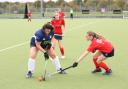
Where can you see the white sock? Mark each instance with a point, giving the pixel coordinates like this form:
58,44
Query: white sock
56,63
31,64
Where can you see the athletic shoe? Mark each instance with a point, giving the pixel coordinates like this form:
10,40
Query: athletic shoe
62,57
96,70
108,73
62,71
29,74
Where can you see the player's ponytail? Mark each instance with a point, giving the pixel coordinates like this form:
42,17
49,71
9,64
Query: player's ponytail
95,35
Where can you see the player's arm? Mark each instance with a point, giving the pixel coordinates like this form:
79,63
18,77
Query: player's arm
46,56
91,48
85,53
64,28
83,56
38,40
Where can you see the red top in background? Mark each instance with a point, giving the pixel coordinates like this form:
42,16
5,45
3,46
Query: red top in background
61,14
58,26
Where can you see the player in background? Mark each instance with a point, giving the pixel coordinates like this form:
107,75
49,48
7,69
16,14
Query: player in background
102,50
29,15
71,13
41,41
61,14
58,33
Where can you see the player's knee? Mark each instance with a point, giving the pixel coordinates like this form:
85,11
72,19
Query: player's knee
94,57
33,55
53,56
52,46
99,61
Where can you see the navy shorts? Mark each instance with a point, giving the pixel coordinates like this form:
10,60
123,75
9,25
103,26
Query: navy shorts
109,54
32,42
57,37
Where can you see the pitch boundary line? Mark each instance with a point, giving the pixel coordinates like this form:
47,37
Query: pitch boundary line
14,46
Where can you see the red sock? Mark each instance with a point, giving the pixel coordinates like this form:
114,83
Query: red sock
96,64
104,66
62,51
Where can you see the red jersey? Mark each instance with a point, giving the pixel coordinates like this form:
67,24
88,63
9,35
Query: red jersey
61,14
57,24
103,46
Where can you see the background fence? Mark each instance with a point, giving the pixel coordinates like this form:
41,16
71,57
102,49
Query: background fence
91,8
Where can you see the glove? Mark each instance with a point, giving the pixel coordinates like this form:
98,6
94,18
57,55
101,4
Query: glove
46,56
48,46
75,64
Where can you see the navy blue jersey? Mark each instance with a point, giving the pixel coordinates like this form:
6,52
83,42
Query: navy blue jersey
40,36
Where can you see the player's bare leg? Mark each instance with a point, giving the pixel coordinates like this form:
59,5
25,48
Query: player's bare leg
55,60
61,49
53,41
31,61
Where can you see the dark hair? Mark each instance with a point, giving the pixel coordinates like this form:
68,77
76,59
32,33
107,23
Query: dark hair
95,35
47,26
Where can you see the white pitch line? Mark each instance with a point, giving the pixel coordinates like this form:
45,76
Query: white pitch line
84,25
14,46
24,43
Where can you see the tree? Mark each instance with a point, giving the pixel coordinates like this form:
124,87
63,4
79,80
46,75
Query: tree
79,2
73,4
37,4
121,3
50,4
89,3
85,1
103,3
61,3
